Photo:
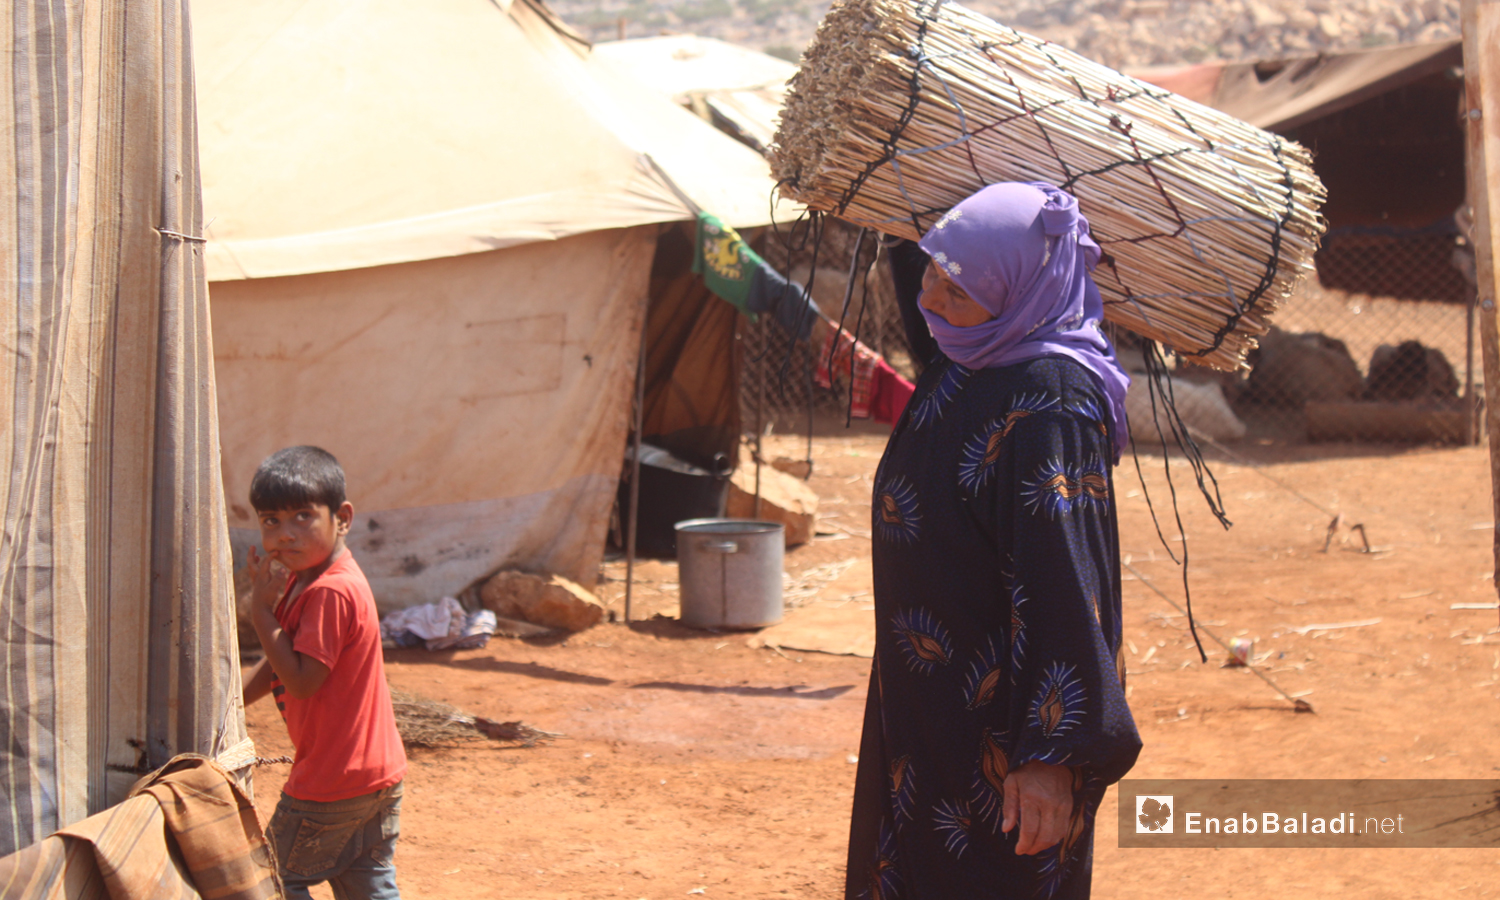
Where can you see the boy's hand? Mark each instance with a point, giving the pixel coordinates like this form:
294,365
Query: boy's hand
264,592
301,674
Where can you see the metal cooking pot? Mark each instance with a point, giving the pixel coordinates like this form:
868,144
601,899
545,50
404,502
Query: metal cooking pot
729,572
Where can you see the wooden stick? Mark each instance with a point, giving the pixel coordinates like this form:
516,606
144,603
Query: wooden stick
1481,22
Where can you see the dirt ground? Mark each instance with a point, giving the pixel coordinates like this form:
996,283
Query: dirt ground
697,764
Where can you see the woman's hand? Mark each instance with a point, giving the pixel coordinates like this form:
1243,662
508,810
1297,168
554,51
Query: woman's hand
1040,796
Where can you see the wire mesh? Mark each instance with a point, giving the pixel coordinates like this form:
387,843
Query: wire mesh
776,386
1391,363
1378,348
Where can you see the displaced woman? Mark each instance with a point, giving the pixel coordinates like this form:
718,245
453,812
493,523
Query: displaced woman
996,713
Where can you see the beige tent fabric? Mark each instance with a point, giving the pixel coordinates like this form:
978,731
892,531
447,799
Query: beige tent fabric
737,85
432,230
118,646
680,65
341,134
479,404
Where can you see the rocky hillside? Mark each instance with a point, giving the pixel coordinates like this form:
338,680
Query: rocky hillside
1152,32
1115,32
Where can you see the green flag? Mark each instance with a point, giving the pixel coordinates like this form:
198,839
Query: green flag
727,264
737,274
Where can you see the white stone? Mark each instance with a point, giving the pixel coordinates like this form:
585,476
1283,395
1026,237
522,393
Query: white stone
1264,16
1201,406
1302,20
1434,31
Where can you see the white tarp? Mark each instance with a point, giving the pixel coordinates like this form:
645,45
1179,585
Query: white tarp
432,233
743,86
479,404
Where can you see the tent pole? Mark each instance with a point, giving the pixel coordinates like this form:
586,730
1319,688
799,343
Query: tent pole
1471,409
1481,30
760,400
635,464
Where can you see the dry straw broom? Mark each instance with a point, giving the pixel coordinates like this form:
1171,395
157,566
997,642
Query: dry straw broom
901,109
428,723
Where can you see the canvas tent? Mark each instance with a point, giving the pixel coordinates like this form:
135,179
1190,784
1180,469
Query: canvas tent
433,230
118,642
738,89
692,385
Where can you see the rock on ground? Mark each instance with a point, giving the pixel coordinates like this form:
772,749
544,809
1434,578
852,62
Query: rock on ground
783,498
1289,369
549,600
1200,404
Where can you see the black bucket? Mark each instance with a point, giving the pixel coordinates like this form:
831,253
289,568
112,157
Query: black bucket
672,491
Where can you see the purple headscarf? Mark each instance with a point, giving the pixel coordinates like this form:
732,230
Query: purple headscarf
1023,252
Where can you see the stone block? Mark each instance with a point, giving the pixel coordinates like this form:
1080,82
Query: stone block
549,600
797,468
783,499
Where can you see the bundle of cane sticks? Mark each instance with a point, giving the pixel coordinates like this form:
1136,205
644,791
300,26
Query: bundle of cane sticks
902,108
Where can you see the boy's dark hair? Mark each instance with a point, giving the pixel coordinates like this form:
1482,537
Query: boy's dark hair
296,477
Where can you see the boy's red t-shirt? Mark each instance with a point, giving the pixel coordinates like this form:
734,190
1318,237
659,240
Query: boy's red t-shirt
345,733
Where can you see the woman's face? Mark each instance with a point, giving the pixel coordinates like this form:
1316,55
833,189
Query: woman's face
948,301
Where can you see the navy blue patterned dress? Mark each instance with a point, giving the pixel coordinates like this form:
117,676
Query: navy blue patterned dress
997,604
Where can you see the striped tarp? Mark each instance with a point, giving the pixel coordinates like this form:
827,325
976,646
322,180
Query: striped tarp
117,647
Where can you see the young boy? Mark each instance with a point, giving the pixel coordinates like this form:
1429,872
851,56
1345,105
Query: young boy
339,813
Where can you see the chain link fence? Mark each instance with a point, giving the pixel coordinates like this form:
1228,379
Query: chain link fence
1377,348
777,391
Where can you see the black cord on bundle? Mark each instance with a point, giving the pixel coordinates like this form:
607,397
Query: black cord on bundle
818,224
864,301
833,347
815,225
1159,385
811,225
859,246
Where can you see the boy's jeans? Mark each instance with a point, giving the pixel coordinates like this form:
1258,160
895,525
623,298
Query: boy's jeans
347,843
